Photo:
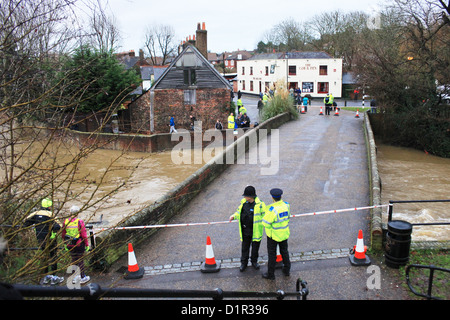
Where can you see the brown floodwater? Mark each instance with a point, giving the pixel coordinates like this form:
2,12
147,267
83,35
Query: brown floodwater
145,178
107,183
408,174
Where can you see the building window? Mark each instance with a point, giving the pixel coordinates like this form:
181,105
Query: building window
323,70
251,85
292,70
190,97
190,77
307,87
243,84
251,71
243,70
267,71
322,87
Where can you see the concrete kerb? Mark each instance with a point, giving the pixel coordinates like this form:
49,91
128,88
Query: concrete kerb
114,242
376,230
236,261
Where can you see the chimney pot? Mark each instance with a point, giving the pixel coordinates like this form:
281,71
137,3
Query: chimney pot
203,26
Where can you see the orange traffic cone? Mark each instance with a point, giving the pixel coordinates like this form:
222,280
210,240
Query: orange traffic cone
134,272
357,113
358,256
279,261
210,264
321,112
303,110
337,112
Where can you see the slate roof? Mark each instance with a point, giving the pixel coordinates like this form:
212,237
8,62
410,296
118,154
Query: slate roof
292,55
205,62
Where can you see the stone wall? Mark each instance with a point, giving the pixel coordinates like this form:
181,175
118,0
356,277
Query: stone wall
376,230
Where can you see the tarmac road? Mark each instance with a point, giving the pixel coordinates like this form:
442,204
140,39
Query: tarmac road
322,166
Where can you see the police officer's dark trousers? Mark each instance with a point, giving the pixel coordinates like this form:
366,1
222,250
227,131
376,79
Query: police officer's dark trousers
272,252
245,250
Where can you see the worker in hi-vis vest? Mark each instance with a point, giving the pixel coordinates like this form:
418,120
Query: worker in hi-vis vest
75,235
231,121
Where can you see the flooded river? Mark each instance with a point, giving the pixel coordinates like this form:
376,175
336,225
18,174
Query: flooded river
408,174
108,183
146,178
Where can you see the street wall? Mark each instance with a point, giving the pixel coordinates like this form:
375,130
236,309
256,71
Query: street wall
376,231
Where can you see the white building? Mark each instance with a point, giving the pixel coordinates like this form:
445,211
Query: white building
314,73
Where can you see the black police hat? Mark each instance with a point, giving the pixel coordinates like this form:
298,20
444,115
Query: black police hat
249,192
276,193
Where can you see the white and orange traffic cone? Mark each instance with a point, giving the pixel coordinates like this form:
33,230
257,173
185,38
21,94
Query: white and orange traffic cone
357,113
303,110
358,256
321,111
210,265
134,272
336,113
279,261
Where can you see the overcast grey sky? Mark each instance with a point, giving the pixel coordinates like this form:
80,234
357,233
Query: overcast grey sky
231,24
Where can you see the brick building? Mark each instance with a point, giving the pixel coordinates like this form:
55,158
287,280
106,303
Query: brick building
189,86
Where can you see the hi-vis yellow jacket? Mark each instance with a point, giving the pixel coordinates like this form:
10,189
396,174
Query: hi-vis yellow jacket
231,122
276,221
258,213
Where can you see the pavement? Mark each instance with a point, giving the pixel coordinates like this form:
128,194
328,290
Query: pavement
322,166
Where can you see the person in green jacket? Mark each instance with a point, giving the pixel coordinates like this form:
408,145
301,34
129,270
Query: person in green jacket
249,214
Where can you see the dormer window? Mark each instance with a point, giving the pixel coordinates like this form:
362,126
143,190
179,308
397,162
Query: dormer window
190,77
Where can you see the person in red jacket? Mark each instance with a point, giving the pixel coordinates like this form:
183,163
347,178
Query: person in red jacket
77,243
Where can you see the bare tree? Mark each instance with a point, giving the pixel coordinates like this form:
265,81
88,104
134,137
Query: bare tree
408,54
38,159
159,41
105,33
339,34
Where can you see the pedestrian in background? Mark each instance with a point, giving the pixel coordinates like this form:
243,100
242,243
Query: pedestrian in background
260,107
373,106
75,236
218,125
46,228
305,103
172,124
328,101
276,224
249,214
192,120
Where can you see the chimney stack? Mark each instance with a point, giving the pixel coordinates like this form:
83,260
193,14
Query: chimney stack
201,40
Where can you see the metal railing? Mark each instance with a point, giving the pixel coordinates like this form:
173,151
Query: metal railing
93,291
430,280
391,208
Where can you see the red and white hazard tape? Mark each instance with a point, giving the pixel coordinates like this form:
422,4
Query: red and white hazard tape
223,222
